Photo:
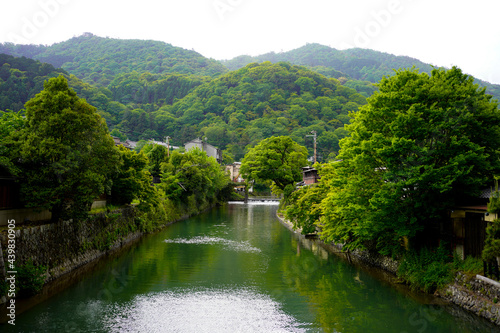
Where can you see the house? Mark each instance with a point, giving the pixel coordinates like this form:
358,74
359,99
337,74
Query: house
309,176
234,172
169,146
126,144
235,175
467,230
210,150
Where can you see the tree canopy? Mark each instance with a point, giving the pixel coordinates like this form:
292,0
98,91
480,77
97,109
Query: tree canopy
64,152
420,145
276,159
356,68
192,177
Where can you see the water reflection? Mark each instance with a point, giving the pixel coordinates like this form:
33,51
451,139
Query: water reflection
220,272
205,310
226,243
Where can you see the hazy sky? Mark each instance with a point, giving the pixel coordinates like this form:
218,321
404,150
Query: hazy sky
440,32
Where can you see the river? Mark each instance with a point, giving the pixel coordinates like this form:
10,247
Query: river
237,269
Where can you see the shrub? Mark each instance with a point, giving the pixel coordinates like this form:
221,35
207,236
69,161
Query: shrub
30,279
426,270
470,265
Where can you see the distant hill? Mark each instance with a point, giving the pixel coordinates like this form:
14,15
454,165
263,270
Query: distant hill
21,79
239,109
98,60
358,64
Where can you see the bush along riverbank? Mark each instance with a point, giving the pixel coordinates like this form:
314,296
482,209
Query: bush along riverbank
435,272
47,251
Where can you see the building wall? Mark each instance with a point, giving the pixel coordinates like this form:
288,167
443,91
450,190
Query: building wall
210,150
468,231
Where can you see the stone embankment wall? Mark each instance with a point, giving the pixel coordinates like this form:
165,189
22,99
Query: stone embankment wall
475,294
66,245
63,247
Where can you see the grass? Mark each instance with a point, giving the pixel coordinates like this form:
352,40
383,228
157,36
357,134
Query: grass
105,209
431,269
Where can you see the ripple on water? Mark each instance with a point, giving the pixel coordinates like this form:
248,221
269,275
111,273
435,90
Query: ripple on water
241,246
210,310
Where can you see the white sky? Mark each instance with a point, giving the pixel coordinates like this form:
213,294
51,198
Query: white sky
440,32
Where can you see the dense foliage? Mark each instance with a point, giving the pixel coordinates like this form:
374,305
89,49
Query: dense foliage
98,60
64,159
420,145
278,160
10,124
29,279
241,108
132,180
356,67
21,79
64,152
303,207
359,64
193,178
151,91
492,242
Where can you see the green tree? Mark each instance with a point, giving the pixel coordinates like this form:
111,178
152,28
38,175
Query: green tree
193,174
277,159
10,124
116,132
420,145
157,155
492,242
133,180
65,152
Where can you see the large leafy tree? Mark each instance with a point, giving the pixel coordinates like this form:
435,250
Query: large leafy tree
133,180
10,124
157,155
193,174
421,144
278,160
65,152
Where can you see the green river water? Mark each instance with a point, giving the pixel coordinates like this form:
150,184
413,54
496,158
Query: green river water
237,269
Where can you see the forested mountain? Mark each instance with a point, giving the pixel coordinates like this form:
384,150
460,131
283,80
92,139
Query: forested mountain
21,79
358,64
147,89
234,112
239,109
98,60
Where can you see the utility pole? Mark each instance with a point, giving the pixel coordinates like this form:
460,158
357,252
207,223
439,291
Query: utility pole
314,137
168,146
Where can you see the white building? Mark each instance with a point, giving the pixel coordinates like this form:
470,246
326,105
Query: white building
210,150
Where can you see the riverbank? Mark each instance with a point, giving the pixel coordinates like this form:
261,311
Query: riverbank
66,246
476,294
